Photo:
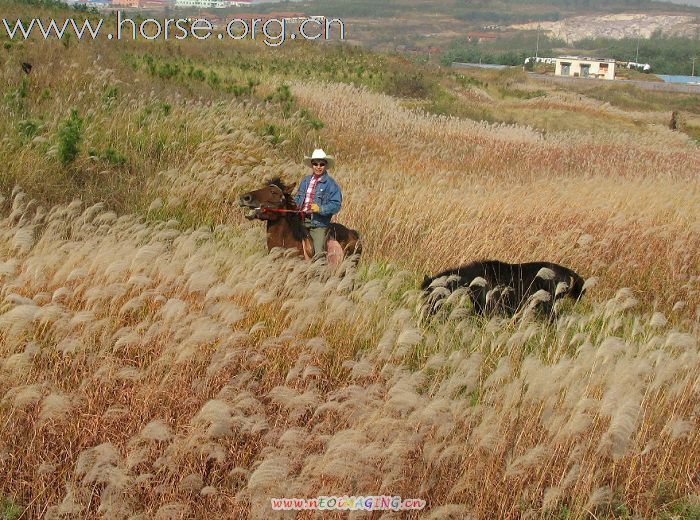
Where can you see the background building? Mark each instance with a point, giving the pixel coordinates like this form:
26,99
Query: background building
583,67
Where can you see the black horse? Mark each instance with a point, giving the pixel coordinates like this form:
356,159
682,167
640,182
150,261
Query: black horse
499,287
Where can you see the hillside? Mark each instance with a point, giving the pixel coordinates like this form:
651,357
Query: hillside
156,362
617,26
694,3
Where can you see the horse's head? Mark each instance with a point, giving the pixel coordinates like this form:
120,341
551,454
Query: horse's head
276,195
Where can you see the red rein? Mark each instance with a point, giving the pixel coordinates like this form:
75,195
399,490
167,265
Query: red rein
280,210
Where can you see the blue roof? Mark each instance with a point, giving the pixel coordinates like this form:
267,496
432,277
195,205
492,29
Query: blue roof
680,79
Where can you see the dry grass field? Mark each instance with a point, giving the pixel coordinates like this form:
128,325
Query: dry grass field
156,362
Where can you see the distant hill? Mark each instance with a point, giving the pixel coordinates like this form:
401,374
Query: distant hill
503,11
617,26
686,2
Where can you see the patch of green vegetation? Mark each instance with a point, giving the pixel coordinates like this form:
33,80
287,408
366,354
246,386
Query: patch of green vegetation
408,84
242,90
197,74
445,103
165,108
273,132
23,89
680,510
27,129
313,122
9,509
109,155
521,94
159,109
69,137
213,79
630,97
666,54
563,513
15,98
110,94
283,96
507,50
692,131
167,70
468,81
187,218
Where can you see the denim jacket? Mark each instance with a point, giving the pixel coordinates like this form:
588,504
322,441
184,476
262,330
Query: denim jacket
327,196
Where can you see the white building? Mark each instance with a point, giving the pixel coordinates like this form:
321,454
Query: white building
583,67
209,4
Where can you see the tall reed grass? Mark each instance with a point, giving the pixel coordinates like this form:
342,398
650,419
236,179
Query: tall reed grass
166,373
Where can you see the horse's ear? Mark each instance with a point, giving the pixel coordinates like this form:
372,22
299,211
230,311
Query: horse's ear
290,188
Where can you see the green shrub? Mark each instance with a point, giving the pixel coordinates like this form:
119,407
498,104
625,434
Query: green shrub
213,79
197,74
150,64
110,94
236,90
23,89
159,146
144,115
167,71
521,94
27,128
407,85
69,137
313,122
113,156
242,90
9,510
274,133
469,81
283,96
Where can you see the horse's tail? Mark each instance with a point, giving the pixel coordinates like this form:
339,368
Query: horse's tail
358,244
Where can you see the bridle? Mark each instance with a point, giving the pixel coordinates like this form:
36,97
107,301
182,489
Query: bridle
280,210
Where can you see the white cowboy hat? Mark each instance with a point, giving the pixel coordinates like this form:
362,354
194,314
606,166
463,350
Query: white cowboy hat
320,154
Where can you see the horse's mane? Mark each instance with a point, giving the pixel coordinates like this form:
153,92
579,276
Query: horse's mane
294,219
277,181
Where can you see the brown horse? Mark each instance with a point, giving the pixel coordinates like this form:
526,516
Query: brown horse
285,228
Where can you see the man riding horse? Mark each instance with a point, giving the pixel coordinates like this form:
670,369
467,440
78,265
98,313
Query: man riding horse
304,222
319,197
